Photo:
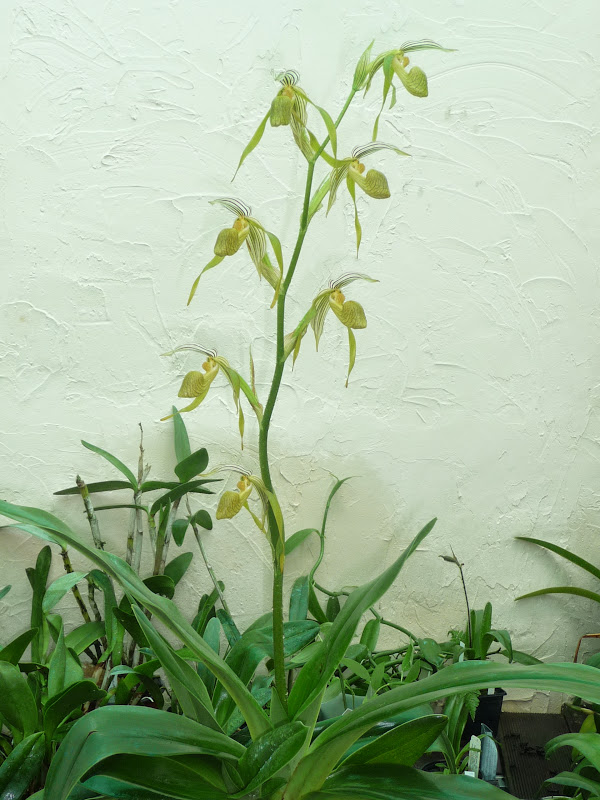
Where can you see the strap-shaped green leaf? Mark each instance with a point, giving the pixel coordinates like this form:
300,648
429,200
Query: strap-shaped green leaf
21,767
133,777
115,730
563,590
386,782
165,610
403,744
13,651
335,740
315,675
116,462
574,559
17,704
183,679
99,486
265,757
61,706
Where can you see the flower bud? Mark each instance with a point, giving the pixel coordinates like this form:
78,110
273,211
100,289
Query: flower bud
281,110
350,313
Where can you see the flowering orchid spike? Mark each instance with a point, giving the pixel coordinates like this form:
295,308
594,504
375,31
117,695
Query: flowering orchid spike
396,62
249,230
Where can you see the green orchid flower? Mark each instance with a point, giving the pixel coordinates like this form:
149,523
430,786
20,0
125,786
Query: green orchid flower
349,312
249,230
196,384
352,170
233,501
290,109
396,62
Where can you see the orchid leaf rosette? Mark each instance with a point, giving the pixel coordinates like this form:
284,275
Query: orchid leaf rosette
245,230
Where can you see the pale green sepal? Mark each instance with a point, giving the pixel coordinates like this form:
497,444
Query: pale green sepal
257,136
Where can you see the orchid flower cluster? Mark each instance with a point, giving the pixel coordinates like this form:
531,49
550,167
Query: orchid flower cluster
290,109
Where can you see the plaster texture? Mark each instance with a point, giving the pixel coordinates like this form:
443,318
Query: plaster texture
475,392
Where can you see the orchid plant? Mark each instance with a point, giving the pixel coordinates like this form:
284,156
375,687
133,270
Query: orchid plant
276,751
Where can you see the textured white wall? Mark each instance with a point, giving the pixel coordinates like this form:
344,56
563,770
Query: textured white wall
475,393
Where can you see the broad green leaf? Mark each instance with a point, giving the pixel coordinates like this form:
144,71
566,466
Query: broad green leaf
21,767
315,675
203,519
574,559
461,678
256,137
181,490
82,637
265,757
193,465
212,637
230,629
179,529
387,782
370,634
181,439
296,539
588,744
402,745
177,567
299,599
14,650
576,780
4,591
127,776
99,486
17,704
206,609
121,730
114,461
59,588
252,648
315,607
62,705
563,590
183,679
165,610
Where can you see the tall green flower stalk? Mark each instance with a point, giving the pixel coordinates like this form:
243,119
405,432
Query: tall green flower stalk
290,109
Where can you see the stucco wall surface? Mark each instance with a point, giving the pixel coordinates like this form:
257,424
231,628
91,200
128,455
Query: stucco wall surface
475,392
